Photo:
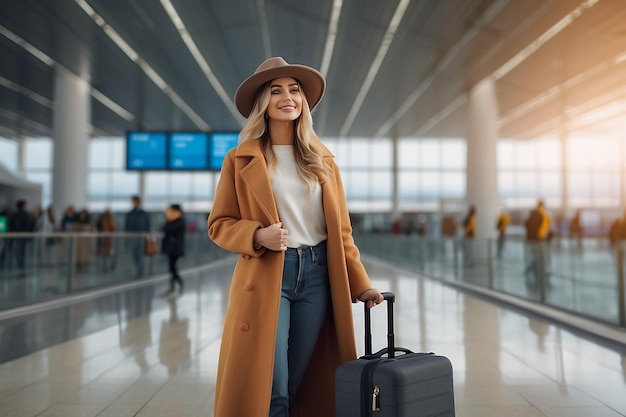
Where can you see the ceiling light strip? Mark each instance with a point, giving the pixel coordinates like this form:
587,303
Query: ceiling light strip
440,66
555,91
573,114
265,29
545,37
528,106
35,125
440,116
375,66
147,69
27,46
36,97
331,36
199,58
119,110
110,104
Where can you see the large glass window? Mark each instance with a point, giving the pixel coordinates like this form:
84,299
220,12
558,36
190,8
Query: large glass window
529,170
533,169
430,170
594,164
38,165
366,170
109,184
8,154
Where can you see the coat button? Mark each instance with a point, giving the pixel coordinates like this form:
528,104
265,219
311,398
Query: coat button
244,327
249,287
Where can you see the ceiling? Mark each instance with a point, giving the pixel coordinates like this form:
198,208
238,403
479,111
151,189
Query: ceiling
393,67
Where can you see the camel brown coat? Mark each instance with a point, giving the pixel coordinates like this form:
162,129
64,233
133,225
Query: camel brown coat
244,202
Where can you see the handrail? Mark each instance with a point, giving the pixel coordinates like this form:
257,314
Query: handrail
40,266
80,233
583,277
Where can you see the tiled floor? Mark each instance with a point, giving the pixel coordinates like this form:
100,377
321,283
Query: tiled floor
137,354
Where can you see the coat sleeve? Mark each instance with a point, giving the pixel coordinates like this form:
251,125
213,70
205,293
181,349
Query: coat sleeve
357,275
226,227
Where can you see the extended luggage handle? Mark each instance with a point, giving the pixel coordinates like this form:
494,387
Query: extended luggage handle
390,349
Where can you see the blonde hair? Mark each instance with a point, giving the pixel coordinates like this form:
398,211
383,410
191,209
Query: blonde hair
309,163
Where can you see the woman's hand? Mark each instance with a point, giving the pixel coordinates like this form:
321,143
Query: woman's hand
371,297
273,237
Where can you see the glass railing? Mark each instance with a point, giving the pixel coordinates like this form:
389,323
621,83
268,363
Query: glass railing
36,267
584,277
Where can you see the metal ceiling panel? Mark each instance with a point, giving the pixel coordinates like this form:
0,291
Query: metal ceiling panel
362,26
408,94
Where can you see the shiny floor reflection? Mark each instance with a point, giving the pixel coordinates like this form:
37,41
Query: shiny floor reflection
139,354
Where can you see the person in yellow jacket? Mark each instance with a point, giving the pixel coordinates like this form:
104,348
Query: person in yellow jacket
469,223
538,227
469,232
503,222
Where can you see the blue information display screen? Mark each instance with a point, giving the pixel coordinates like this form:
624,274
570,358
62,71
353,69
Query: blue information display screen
221,143
3,224
146,150
188,151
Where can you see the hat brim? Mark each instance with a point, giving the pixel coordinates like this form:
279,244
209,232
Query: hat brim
312,82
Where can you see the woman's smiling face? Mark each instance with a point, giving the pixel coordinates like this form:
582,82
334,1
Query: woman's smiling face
285,99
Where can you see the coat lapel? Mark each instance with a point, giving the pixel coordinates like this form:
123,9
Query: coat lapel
256,177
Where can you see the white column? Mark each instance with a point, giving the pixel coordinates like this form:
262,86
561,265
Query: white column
395,195
482,168
70,131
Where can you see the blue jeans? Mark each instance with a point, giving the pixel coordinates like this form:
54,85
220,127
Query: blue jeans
305,298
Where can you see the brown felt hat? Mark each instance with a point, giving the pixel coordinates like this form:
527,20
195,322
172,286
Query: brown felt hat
311,80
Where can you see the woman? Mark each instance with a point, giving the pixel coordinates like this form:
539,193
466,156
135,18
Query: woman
106,225
50,228
280,204
84,250
173,244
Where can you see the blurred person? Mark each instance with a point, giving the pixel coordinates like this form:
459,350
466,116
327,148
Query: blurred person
37,219
469,223
106,226
617,235
137,221
280,204
20,222
173,244
69,217
503,222
4,216
84,249
49,227
576,230
469,232
537,234
396,226
617,231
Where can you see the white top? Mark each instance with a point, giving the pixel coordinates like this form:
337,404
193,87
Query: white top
300,209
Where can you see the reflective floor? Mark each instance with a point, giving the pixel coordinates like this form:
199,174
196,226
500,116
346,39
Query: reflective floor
136,353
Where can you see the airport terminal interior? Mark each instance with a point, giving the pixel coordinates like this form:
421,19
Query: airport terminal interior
441,115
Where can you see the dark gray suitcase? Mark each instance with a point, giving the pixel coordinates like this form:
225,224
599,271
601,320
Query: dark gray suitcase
385,385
